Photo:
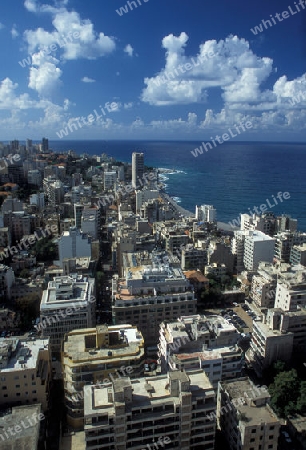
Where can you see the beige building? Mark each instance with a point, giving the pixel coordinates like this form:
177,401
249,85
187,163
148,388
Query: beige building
89,356
245,416
150,294
267,346
133,414
25,372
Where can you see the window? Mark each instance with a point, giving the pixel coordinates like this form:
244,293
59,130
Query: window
33,392
4,388
17,386
18,394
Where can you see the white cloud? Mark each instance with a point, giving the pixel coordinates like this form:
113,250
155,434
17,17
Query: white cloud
128,105
74,35
44,74
14,32
129,50
88,80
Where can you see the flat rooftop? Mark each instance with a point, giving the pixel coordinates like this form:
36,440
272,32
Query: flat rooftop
255,415
27,438
75,345
25,355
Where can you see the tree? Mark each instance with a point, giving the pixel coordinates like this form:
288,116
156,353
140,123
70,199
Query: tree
301,402
284,392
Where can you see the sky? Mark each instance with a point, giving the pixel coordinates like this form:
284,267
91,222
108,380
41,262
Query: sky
153,69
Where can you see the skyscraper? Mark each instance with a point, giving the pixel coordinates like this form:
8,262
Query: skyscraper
44,145
137,167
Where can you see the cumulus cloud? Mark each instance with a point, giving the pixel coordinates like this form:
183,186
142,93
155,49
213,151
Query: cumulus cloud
44,74
129,50
88,80
75,36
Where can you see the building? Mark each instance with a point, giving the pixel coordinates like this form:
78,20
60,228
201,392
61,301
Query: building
25,372
90,222
206,213
92,355
38,200
44,145
110,179
199,342
291,294
267,346
150,294
144,195
22,428
245,417
193,258
263,286
7,279
34,177
137,167
72,244
78,211
67,304
257,247
298,254
134,414
266,223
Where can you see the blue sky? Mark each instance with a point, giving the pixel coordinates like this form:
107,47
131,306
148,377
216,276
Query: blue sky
175,69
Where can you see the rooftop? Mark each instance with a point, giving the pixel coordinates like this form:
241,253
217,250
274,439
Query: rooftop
17,355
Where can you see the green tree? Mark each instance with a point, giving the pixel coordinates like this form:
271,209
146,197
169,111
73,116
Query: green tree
301,402
285,392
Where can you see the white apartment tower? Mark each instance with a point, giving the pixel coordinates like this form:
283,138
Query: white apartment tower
257,247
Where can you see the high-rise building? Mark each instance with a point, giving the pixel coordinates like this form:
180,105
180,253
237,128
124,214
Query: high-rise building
257,247
206,213
44,145
109,180
105,351
67,304
137,167
73,244
176,409
150,294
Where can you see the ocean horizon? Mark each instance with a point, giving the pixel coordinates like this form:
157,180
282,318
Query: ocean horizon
235,177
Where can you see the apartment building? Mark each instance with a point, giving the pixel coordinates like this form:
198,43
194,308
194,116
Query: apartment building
263,286
193,258
135,414
137,167
7,280
257,247
74,243
291,294
266,223
150,294
290,322
298,254
89,356
284,242
25,372
267,346
194,342
110,179
245,417
206,213
67,304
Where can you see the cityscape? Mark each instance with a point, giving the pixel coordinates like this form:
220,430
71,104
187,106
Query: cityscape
152,225
130,322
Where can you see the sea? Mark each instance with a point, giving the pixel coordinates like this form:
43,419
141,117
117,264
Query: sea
234,177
